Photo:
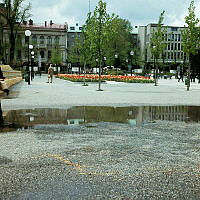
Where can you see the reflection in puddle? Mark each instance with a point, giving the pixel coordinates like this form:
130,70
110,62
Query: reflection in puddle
137,115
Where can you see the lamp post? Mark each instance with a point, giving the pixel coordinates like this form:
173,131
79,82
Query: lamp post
116,56
28,34
127,65
131,54
104,60
155,68
32,61
99,63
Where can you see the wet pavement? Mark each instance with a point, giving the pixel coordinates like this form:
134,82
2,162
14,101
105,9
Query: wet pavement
135,116
68,147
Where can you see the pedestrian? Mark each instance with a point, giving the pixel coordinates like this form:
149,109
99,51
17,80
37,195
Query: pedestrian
50,73
180,76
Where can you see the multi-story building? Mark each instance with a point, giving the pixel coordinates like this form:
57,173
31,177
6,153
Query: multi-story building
44,38
72,34
173,52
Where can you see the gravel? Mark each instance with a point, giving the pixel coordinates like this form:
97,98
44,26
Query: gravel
157,160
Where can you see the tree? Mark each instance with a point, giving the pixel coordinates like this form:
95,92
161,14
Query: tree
190,37
56,57
14,13
157,44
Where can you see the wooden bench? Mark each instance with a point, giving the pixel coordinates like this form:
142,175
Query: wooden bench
12,77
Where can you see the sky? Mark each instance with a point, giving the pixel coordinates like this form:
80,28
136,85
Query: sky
138,12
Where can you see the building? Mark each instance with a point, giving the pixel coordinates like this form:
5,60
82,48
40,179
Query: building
173,52
72,34
44,38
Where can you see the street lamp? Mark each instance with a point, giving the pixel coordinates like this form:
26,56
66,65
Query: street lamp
28,34
104,59
155,67
116,56
32,61
131,54
127,65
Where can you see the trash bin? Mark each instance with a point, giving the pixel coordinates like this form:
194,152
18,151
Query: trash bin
165,76
27,78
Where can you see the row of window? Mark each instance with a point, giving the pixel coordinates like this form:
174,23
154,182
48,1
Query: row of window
172,56
73,35
41,40
172,37
174,46
42,53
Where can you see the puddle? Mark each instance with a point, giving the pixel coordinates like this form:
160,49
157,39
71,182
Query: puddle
28,119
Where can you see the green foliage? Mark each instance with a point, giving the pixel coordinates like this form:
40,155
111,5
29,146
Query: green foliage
191,33
104,35
157,44
56,57
14,13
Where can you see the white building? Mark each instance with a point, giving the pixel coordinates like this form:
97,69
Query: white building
173,52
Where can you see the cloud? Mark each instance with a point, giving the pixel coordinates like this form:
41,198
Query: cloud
138,12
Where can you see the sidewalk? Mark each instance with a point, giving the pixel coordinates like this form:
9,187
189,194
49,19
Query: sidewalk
62,94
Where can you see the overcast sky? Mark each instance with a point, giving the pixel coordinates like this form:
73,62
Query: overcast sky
138,12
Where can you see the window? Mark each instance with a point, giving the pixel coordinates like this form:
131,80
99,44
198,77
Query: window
80,28
165,37
42,54
174,28
57,40
175,46
178,55
34,39
49,40
41,39
179,37
172,37
49,54
172,46
179,46
168,55
169,46
172,56
175,37
72,36
72,28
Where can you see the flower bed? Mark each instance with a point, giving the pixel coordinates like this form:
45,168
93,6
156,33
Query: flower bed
95,78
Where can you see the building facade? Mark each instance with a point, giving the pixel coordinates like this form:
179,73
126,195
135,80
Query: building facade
44,39
173,52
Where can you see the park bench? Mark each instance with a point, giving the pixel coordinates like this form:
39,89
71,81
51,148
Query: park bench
11,76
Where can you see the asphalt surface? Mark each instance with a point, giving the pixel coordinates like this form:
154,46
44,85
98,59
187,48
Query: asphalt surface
155,160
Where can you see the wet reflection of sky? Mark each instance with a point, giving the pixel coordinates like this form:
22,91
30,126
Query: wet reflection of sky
28,119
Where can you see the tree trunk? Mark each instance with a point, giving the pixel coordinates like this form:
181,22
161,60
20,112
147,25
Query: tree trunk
188,76
12,46
1,115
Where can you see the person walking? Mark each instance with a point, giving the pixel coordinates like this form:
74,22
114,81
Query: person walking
180,76
50,73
